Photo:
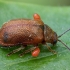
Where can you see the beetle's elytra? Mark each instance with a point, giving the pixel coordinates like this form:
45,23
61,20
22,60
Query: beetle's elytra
28,32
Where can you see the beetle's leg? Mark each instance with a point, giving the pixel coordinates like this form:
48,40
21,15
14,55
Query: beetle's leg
16,50
26,51
36,17
49,48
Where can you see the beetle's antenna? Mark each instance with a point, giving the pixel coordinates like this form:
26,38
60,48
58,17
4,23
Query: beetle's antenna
64,44
64,33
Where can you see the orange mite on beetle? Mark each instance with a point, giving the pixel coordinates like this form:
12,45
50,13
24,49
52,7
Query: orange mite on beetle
28,32
36,52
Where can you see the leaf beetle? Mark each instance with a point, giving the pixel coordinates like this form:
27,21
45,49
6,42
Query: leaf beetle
28,32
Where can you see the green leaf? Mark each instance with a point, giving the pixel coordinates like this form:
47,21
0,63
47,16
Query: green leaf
58,18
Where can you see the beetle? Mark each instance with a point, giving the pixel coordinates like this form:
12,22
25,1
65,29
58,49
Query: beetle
28,32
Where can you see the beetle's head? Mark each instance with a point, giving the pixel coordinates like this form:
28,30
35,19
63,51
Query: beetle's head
53,38
49,35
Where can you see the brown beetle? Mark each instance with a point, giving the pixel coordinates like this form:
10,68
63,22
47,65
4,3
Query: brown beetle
27,32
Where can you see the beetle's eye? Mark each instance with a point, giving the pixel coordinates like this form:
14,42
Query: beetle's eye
55,41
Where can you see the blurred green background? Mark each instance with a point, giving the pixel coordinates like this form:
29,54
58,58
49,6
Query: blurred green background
45,2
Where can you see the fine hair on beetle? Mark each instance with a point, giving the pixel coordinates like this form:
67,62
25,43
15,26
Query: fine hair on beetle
61,41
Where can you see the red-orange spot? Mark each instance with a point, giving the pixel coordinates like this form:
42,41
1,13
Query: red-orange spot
36,16
36,52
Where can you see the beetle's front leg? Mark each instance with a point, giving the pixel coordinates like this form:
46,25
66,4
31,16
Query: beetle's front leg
49,48
16,50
